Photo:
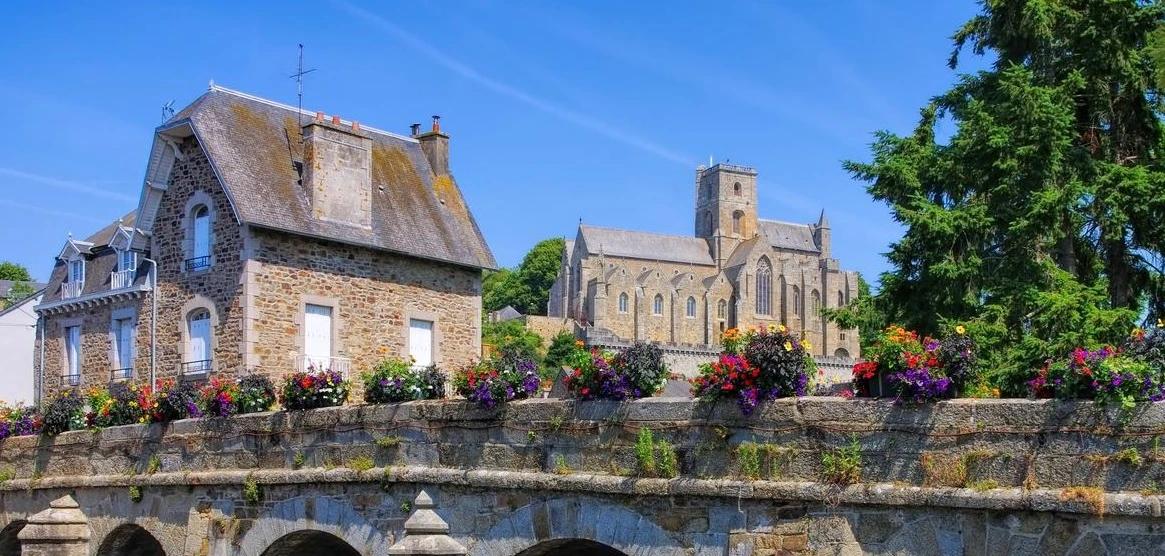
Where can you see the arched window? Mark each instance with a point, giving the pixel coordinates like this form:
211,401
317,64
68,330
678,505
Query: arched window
198,352
840,299
722,309
622,303
657,305
764,288
736,189
796,300
691,308
736,217
200,236
815,308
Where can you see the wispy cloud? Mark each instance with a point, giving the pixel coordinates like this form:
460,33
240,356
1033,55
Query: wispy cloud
68,185
50,212
467,72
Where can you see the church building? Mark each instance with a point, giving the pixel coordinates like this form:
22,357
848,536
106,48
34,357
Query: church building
738,270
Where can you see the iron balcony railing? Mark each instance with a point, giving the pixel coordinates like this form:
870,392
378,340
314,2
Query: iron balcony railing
69,290
202,367
198,263
317,363
71,380
121,279
121,374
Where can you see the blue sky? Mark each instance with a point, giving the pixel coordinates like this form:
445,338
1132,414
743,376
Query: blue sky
557,111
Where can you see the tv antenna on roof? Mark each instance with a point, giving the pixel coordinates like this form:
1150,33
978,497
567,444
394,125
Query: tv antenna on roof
167,111
298,77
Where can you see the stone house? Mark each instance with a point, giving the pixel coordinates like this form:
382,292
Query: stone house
278,241
738,270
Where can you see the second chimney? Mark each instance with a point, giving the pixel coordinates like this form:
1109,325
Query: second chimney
435,145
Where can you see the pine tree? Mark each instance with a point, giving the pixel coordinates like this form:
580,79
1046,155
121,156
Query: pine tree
1039,221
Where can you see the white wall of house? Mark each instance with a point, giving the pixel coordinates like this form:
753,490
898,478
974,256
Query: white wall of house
17,340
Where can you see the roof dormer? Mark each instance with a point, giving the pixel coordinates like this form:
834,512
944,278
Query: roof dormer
74,248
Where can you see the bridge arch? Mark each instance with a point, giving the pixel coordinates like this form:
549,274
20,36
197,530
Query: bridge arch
570,547
303,516
310,543
9,544
130,539
583,525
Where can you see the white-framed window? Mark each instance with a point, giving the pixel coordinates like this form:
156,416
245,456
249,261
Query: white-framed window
657,305
122,330
623,302
690,309
421,342
73,355
764,288
200,239
127,260
317,335
198,345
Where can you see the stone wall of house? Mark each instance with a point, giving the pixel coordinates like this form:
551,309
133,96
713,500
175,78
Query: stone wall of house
373,294
97,360
973,477
548,327
217,288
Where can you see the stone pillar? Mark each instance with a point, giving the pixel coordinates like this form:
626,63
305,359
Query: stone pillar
426,533
61,530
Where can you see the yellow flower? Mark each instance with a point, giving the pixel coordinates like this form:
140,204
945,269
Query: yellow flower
960,330
1160,323
578,343
783,329
788,346
772,328
806,344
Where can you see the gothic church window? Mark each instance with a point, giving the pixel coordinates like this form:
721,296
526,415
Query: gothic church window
691,308
815,308
657,305
764,288
722,309
796,300
622,303
840,300
736,217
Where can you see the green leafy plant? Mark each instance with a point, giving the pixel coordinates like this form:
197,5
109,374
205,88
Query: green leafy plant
560,466
7,475
297,460
1129,456
843,465
256,394
395,380
388,442
135,494
558,354
406,507
645,453
644,368
64,412
361,464
668,460
252,493
748,456
153,465
531,435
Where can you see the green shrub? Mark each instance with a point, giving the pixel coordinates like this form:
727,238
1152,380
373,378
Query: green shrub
669,465
643,366
63,413
394,380
843,465
645,453
557,355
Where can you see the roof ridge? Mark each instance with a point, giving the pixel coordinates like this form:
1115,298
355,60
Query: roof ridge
783,222
370,129
658,234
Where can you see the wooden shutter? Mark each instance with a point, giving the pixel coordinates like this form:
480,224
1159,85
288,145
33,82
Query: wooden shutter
200,339
317,334
421,342
124,343
202,235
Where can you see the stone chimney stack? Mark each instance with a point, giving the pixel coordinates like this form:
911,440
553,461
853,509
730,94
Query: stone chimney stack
337,171
436,148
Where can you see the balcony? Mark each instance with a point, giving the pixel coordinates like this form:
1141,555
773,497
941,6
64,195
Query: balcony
197,263
69,290
117,375
71,380
197,369
316,363
121,279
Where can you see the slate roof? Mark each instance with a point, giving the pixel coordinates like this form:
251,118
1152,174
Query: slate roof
254,144
787,235
6,286
507,313
646,246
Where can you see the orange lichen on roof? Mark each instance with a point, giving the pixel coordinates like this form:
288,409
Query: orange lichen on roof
269,141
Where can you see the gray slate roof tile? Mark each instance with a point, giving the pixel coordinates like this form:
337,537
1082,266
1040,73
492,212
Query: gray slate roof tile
787,235
646,246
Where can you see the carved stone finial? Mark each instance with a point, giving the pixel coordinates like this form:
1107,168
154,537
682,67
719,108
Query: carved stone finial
426,533
62,526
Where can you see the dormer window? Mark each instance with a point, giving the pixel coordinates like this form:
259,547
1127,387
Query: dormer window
127,261
74,279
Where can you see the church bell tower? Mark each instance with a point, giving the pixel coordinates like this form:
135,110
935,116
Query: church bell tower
725,207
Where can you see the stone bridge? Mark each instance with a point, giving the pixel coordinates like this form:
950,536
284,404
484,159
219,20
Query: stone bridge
963,477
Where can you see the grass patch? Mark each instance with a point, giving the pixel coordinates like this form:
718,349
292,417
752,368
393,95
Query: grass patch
252,493
297,460
560,466
843,466
748,456
645,453
387,442
1092,497
944,470
668,461
154,465
984,486
135,494
7,475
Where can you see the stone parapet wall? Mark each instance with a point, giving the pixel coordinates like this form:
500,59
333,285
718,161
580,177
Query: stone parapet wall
1013,443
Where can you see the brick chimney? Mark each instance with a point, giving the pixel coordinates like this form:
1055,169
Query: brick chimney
337,171
436,148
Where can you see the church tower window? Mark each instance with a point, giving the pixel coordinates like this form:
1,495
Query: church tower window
736,218
840,299
764,288
691,308
623,303
736,189
657,305
815,308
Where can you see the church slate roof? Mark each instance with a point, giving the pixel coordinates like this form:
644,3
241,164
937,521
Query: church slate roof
254,145
787,235
646,246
